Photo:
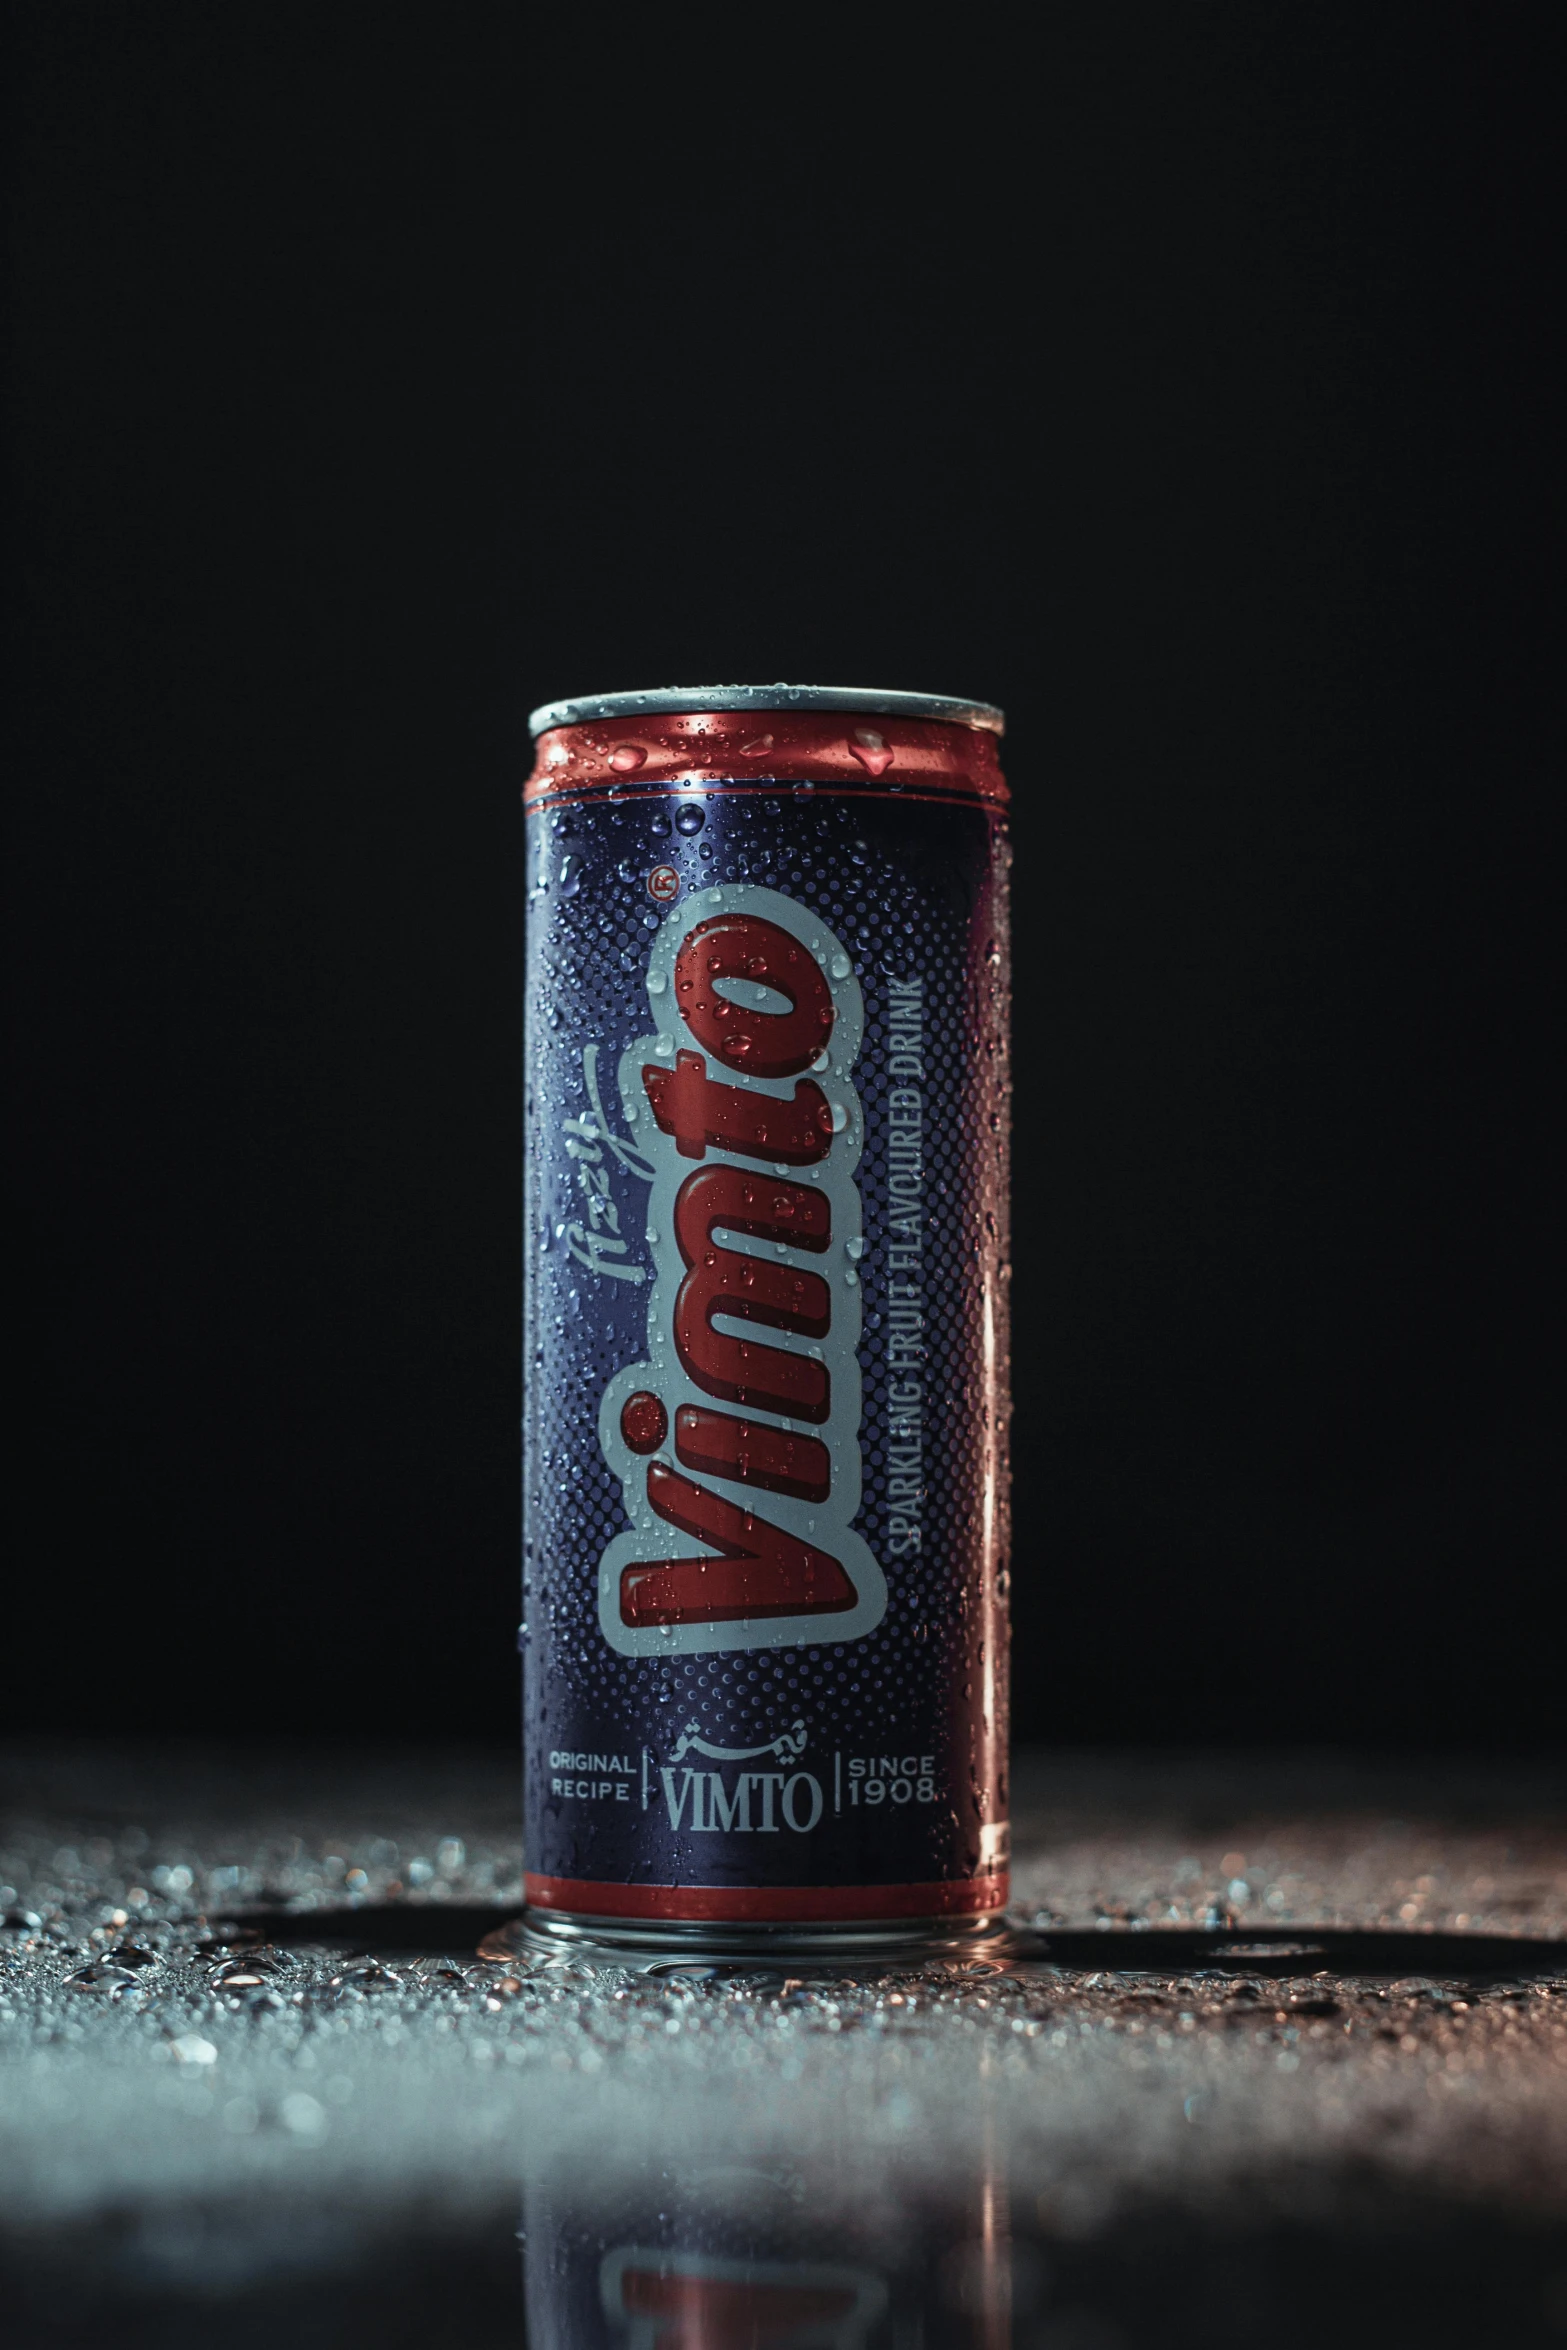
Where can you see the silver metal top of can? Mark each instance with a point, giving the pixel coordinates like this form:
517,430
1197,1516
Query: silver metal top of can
678,700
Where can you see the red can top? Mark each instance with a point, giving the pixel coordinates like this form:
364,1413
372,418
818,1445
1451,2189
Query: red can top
752,738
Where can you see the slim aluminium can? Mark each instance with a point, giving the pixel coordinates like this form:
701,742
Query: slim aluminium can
766,1535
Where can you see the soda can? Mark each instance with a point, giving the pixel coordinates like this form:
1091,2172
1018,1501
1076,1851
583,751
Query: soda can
766,1493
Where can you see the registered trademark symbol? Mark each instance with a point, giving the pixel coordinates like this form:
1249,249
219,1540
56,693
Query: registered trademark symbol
663,883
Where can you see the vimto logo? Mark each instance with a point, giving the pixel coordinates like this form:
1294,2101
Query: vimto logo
744,1445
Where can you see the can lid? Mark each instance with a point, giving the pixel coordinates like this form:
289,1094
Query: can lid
681,700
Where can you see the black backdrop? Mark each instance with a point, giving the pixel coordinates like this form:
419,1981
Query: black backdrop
1175,381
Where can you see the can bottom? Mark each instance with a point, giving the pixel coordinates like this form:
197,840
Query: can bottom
557,1933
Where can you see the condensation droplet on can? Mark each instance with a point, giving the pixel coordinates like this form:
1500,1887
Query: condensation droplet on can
871,750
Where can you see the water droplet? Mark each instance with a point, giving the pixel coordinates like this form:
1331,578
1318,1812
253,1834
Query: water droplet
644,1423
626,758
854,1248
657,983
191,2048
109,1982
841,966
840,1117
871,750
690,817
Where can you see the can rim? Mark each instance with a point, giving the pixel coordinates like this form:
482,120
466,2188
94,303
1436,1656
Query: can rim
675,1946
694,700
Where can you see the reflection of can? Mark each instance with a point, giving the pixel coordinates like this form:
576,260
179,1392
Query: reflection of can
767,1337
615,2281
747,2257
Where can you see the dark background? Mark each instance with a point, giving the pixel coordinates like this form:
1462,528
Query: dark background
1178,381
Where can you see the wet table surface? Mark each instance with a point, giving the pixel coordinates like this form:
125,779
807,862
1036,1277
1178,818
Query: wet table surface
1282,2046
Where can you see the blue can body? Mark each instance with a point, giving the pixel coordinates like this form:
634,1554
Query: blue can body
766,1341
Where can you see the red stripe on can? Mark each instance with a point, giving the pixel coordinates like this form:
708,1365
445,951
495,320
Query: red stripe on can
768,1904
777,748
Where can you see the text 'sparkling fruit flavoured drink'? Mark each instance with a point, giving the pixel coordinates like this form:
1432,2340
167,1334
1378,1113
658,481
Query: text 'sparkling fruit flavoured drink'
766,1488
